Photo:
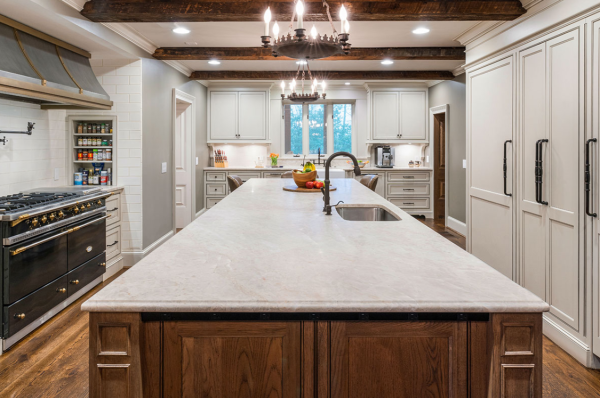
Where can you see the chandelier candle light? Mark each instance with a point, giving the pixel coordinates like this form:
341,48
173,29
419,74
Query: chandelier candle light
303,47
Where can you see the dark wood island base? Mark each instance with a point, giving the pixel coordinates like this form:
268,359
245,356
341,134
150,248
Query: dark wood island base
134,356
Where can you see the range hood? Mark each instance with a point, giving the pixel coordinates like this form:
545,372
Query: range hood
38,68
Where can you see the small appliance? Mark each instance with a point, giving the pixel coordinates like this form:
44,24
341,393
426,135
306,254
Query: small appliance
384,156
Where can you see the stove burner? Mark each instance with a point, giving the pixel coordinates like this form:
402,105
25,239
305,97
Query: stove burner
30,200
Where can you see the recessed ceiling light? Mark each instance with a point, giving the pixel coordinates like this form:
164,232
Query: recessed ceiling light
420,31
347,83
214,62
181,31
387,62
301,62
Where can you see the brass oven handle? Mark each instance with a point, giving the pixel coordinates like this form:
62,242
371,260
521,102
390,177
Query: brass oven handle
39,242
102,264
61,290
75,282
20,316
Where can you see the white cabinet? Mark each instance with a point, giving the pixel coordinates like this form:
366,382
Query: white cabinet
238,116
398,116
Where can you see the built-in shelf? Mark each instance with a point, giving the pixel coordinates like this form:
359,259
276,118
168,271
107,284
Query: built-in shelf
93,161
93,147
91,134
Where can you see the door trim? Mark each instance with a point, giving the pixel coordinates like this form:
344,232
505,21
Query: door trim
432,112
182,96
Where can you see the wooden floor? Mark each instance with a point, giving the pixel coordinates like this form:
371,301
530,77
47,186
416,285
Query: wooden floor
53,361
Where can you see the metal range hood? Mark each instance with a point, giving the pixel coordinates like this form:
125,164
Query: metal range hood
38,68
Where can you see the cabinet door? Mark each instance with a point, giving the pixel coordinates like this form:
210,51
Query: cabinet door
413,116
385,110
252,116
490,123
223,115
532,215
398,359
562,165
232,359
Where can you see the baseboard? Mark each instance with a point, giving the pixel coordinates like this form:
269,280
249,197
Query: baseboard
572,345
426,214
112,268
201,212
130,258
457,226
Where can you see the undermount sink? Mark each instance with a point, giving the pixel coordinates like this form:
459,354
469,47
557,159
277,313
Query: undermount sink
373,213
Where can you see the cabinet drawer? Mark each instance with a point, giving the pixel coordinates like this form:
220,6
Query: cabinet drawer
210,202
86,242
215,176
113,207
408,176
407,189
85,273
272,174
245,176
215,189
113,243
411,203
34,305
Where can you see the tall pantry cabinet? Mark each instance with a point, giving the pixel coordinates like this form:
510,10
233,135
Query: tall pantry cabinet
526,213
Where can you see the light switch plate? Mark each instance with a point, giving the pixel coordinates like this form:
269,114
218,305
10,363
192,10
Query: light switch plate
427,159
164,167
56,174
464,163
196,160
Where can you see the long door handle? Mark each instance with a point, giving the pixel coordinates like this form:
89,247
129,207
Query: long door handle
505,167
539,172
588,179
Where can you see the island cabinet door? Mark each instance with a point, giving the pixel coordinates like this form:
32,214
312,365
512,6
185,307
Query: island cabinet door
232,359
398,359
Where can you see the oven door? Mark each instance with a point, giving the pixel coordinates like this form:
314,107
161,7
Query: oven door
87,241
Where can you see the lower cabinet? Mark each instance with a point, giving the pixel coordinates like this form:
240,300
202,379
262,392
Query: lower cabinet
496,358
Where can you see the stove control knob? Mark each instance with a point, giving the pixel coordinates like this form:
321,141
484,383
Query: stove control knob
99,203
61,214
89,205
75,209
44,219
34,222
82,208
52,216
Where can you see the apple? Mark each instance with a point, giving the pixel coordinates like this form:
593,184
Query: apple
310,184
319,184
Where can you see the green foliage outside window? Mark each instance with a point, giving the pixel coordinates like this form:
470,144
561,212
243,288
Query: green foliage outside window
342,127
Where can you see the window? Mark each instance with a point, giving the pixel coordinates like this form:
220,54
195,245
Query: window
324,126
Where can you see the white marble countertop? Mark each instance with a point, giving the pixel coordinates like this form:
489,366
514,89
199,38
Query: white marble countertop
262,249
287,168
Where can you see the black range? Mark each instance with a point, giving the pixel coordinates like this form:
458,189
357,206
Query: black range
53,251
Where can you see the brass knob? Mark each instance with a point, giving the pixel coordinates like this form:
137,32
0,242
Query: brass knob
82,207
103,264
20,316
34,222
44,219
61,290
52,217
99,202
75,209
61,214
88,205
75,282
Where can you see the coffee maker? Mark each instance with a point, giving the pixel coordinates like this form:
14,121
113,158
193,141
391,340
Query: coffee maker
384,156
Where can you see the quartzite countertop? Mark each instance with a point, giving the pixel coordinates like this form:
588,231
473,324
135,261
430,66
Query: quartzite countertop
265,250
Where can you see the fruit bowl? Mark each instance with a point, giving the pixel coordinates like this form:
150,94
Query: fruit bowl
302,178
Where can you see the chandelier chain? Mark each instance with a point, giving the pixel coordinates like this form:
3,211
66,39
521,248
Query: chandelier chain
329,16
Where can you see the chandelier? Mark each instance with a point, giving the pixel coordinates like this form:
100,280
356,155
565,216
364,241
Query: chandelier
301,46
313,95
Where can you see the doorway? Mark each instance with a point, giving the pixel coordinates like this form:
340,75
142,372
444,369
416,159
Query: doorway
183,159
439,116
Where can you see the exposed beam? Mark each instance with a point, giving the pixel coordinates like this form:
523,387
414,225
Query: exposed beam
356,54
323,75
252,10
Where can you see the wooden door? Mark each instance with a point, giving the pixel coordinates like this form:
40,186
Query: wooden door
398,359
490,123
385,110
413,115
232,359
562,165
533,127
439,166
253,115
223,115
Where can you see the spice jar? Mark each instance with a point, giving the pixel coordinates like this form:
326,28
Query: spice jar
95,154
84,141
110,130
80,128
90,155
103,128
105,142
79,141
80,154
108,154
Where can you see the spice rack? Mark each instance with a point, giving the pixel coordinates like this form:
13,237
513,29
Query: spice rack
92,153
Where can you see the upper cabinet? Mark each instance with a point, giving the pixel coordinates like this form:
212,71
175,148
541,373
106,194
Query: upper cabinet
238,115
399,116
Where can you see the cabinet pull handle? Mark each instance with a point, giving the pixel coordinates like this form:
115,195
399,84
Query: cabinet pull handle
113,244
115,209
408,203
61,290
588,179
539,172
75,282
408,176
505,168
20,316
408,189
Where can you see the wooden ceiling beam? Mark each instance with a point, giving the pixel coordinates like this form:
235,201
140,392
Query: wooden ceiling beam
264,54
252,10
323,75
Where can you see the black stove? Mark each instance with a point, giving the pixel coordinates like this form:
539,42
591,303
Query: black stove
23,201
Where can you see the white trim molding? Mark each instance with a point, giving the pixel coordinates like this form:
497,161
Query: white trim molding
573,346
130,258
455,225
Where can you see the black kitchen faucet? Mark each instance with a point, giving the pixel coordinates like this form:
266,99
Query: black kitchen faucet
325,189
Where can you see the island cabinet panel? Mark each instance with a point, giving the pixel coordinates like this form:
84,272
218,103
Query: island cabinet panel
232,359
398,359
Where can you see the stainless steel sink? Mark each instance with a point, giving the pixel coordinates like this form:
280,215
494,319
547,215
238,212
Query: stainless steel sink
372,213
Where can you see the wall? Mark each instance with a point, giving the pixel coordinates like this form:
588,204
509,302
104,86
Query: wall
158,81
453,93
122,80
28,162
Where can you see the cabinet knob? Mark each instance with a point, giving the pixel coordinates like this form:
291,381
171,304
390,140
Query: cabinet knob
61,290
75,282
103,264
20,316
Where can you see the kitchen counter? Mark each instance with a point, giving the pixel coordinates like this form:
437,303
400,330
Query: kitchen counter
348,168
263,250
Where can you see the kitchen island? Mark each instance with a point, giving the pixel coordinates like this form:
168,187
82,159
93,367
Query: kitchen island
265,296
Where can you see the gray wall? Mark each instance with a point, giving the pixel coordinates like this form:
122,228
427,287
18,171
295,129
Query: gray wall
453,93
158,82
